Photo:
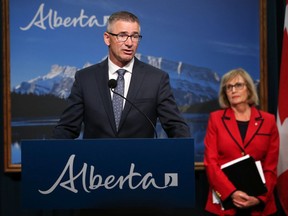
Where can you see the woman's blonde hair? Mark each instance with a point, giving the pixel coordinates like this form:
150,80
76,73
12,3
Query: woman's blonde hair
253,98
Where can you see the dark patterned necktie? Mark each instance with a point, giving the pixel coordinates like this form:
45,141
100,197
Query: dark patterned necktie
117,100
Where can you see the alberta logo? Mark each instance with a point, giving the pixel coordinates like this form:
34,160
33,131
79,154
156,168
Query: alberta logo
90,180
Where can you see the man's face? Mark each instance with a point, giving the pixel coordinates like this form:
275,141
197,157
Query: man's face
122,52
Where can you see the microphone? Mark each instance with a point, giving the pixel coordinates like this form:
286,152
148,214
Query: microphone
112,83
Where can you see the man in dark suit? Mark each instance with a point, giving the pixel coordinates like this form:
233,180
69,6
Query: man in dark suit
147,87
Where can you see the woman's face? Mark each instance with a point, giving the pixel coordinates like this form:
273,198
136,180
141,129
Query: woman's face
236,91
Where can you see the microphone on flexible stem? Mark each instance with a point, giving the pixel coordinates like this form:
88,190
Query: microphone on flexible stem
112,83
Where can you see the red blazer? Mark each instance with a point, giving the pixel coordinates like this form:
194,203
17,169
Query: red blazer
223,143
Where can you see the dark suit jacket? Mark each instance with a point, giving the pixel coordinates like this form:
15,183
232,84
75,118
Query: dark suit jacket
90,102
223,143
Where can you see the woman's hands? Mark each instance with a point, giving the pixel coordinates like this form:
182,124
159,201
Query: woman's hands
243,200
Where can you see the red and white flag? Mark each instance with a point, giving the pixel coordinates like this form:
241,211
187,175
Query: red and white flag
282,121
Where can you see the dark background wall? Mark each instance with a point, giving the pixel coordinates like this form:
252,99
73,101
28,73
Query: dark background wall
10,183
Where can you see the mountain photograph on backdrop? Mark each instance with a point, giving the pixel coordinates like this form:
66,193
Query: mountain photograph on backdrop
195,45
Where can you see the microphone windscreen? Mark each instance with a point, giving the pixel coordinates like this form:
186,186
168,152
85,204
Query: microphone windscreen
112,83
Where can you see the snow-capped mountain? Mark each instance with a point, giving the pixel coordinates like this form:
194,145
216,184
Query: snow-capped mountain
190,84
57,82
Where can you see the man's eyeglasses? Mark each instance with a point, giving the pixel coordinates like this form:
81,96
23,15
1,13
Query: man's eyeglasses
122,37
237,86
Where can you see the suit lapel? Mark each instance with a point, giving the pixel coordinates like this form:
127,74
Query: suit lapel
254,126
101,78
135,85
231,126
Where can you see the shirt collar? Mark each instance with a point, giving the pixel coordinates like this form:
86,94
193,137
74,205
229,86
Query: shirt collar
113,68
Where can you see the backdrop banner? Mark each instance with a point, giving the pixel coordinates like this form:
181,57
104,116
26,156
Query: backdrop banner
108,173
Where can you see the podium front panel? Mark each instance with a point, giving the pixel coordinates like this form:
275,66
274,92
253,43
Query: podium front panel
108,173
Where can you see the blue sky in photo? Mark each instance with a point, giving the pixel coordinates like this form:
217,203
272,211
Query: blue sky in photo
218,34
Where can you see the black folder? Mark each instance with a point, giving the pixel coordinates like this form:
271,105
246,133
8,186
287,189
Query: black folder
245,176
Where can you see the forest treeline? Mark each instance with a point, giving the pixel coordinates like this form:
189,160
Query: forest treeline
31,105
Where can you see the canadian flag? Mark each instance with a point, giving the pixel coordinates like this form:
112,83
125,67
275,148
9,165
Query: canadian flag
282,121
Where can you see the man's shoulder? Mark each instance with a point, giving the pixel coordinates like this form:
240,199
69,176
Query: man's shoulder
93,68
148,67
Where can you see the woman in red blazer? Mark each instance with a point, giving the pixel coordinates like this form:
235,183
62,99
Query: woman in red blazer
236,130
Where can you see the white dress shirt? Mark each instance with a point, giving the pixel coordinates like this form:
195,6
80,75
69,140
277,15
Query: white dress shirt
127,76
